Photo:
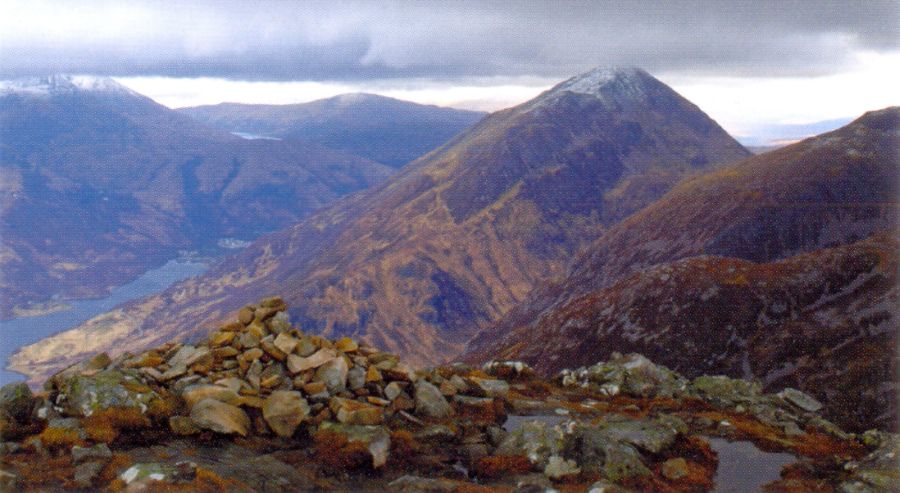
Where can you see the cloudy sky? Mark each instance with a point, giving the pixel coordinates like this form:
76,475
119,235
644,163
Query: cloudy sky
747,63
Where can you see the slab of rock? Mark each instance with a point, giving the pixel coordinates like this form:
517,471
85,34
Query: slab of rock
97,453
430,402
487,387
217,416
800,399
85,395
196,393
297,364
284,410
286,342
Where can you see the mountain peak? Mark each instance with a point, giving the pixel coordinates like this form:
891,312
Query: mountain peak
62,84
593,81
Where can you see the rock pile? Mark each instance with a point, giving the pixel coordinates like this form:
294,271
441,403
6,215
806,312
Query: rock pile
260,405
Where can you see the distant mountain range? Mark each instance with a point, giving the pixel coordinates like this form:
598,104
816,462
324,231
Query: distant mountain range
445,247
100,183
386,130
780,267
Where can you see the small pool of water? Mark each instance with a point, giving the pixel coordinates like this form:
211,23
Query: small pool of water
743,468
22,331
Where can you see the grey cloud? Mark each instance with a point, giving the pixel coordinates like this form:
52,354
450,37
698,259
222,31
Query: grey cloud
380,40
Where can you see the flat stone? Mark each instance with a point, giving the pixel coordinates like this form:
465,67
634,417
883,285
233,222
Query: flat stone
182,355
210,414
196,393
800,399
284,411
373,375
487,387
286,343
430,402
297,364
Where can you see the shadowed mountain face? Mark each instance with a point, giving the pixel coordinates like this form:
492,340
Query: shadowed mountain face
660,283
100,183
446,246
382,129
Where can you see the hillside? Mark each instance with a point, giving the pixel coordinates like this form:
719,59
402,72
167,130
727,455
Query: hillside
455,239
824,322
386,130
100,183
826,192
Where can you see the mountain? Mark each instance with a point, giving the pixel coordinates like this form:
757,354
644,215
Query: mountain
780,267
420,263
100,183
379,128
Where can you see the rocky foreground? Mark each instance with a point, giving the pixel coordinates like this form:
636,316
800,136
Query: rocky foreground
260,406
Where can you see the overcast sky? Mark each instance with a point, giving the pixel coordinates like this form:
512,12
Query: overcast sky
745,62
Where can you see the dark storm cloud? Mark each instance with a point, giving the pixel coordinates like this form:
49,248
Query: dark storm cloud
378,40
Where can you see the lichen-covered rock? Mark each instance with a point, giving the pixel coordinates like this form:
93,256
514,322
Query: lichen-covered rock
84,395
430,402
217,416
193,394
631,374
800,399
376,439
333,374
17,401
535,440
284,411
725,391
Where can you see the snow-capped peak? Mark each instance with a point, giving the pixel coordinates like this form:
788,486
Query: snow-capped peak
57,84
591,82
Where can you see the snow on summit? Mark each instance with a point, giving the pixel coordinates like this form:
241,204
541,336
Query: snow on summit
55,84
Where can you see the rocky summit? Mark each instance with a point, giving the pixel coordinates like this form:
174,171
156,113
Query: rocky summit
261,406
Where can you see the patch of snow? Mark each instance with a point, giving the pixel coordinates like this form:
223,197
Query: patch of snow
60,84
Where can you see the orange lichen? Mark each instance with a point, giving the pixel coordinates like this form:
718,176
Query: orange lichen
334,451
118,463
53,437
403,447
497,466
104,426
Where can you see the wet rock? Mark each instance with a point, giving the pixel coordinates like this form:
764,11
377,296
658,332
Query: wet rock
284,411
558,468
430,402
217,416
800,399
17,401
333,374
675,469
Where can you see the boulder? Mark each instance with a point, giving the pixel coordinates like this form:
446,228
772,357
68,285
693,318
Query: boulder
487,387
193,394
353,412
17,401
377,439
284,411
430,402
217,416
800,399
84,395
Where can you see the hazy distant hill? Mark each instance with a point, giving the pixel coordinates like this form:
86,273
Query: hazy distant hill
446,246
382,129
100,183
697,279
